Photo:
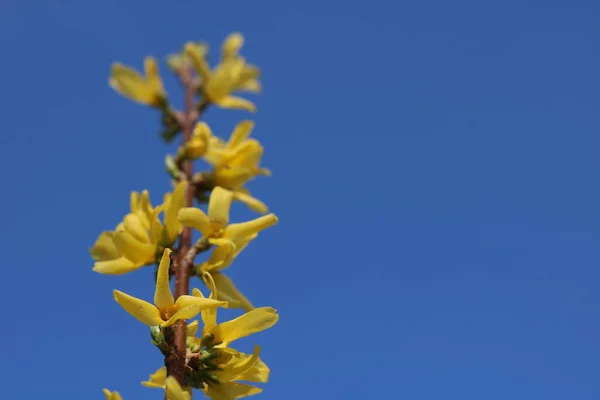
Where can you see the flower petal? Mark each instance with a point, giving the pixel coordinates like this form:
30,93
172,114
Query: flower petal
232,45
198,61
176,203
236,103
251,322
225,287
184,313
118,266
133,249
157,379
163,297
195,218
232,371
218,208
111,395
231,391
104,249
258,373
134,226
252,202
237,232
174,390
142,310
240,132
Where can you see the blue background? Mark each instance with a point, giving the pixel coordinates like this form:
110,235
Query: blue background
436,175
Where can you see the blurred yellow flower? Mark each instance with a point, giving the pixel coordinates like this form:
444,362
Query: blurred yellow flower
111,395
146,89
165,311
215,226
140,239
230,75
157,379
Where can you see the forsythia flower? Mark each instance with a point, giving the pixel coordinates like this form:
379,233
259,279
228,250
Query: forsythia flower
111,395
140,239
147,89
221,258
237,162
232,74
233,366
215,226
165,311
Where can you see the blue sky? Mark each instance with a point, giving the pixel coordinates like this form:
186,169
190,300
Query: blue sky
436,175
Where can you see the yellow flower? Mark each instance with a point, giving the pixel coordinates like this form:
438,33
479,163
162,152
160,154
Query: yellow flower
211,272
111,395
215,226
233,366
237,162
140,239
175,391
231,75
165,311
147,89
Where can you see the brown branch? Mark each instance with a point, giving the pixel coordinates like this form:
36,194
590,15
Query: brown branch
175,362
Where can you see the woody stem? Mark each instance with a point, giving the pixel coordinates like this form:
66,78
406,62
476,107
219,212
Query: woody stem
175,362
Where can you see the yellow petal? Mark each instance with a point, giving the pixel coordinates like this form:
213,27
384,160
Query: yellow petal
236,103
154,79
226,287
182,314
258,373
131,84
118,266
236,232
192,328
231,391
218,208
111,395
232,45
133,249
251,322
174,390
142,310
202,302
219,256
195,218
135,227
251,85
157,379
163,297
232,371
198,61
104,249
252,202
241,132
176,203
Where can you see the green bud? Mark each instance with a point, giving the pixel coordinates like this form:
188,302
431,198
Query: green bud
157,334
207,340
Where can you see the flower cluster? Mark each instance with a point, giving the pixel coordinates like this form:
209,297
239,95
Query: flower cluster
197,356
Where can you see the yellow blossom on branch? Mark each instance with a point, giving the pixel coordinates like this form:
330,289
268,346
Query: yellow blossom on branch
165,311
231,75
146,90
215,226
211,272
237,162
140,239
